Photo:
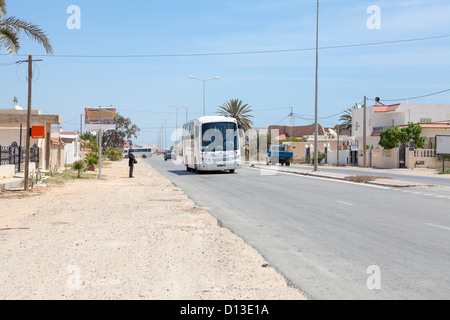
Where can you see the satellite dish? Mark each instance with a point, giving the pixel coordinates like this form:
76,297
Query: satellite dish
15,105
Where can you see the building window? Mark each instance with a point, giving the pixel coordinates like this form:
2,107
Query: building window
425,120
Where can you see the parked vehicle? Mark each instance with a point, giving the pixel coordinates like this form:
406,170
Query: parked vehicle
279,153
170,154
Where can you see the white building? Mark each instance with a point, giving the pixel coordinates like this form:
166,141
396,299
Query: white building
380,117
72,147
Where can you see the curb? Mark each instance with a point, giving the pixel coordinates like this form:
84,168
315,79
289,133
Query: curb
10,183
393,185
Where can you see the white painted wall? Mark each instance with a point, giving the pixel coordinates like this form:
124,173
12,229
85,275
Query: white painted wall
343,157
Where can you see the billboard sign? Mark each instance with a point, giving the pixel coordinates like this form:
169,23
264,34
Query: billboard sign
442,144
100,119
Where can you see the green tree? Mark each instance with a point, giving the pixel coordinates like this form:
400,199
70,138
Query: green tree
12,27
235,108
413,132
393,137
125,130
390,138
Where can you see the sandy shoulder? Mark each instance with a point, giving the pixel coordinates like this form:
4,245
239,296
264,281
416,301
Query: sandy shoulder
121,238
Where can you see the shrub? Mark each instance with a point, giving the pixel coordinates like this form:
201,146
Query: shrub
113,154
91,160
321,156
79,166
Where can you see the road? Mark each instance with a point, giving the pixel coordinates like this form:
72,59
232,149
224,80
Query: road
332,239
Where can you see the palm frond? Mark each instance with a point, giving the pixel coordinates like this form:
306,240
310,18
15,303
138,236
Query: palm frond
9,40
2,8
30,29
236,109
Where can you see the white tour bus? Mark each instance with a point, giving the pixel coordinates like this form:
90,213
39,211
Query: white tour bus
138,152
211,144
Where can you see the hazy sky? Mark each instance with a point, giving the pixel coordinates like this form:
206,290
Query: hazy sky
270,82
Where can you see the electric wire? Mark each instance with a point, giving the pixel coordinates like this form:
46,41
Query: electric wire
239,52
413,98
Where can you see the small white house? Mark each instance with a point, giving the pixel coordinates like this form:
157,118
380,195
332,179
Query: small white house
72,147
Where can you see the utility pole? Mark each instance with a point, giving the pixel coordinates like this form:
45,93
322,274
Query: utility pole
81,124
292,120
316,127
337,148
364,132
28,133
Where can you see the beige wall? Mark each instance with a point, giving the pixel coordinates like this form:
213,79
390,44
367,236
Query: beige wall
298,149
384,159
422,158
7,171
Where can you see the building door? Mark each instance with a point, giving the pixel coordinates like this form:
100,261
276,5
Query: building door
402,156
354,157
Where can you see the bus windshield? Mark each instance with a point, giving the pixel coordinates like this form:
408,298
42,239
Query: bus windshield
219,136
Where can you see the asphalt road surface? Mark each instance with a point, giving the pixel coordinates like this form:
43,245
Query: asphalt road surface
332,239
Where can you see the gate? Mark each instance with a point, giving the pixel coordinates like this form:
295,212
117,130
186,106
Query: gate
34,154
15,155
402,156
4,155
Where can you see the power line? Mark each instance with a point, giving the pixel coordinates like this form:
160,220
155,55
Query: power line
241,52
412,98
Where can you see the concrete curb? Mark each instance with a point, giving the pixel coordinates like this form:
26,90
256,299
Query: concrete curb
384,183
10,183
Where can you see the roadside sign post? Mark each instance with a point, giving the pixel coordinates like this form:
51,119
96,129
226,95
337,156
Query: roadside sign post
442,147
100,155
100,120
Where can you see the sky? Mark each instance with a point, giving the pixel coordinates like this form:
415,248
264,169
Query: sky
138,55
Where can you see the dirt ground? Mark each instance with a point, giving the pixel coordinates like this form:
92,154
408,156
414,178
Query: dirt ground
122,238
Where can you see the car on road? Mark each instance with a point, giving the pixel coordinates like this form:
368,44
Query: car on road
169,154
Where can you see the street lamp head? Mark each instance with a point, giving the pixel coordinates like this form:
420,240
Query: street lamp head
217,78
191,77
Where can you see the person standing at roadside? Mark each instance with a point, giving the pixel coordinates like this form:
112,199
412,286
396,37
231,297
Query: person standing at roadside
131,162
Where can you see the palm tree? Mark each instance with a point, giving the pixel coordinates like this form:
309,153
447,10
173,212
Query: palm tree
234,108
11,28
346,118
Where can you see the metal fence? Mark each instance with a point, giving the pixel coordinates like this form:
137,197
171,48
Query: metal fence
14,154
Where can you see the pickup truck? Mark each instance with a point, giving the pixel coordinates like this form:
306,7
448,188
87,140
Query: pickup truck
278,153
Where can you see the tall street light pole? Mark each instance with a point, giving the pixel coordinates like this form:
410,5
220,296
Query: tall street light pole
204,90
316,128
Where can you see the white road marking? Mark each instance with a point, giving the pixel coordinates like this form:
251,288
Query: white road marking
346,203
437,226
